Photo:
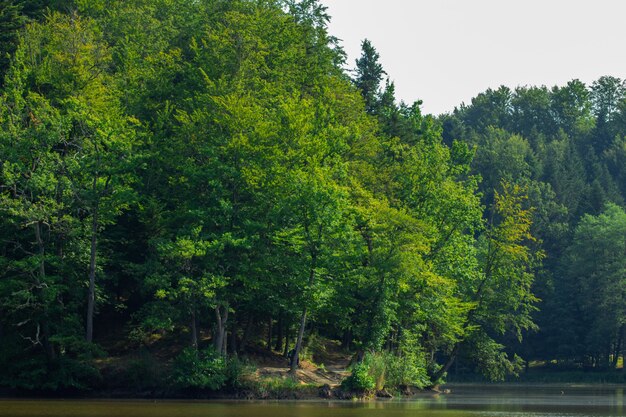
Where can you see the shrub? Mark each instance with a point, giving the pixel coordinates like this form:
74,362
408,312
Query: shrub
407,370
206,369
237,373
377,364
144,372
200,369
389,370
360,380
24,368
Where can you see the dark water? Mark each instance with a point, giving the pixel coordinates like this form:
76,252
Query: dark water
463,401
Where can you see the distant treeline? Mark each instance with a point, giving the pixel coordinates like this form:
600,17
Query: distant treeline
207,169
567,146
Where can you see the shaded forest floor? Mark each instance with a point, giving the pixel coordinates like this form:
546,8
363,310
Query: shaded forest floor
130,369
327,366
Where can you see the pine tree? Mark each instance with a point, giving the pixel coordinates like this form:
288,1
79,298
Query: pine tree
369,74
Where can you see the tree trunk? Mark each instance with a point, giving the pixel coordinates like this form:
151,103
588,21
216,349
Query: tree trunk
51,353
287,341
346,340
233,337
41,278
269,334
246,332
296,356
293,366
220,336
91,298
437,376
279,337
617,349
623,330
194,330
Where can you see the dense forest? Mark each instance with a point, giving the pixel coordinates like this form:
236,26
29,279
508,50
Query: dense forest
208,175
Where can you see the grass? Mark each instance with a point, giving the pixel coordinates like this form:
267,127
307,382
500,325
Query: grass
282,387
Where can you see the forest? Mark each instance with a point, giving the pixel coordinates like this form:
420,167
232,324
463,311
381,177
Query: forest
213,176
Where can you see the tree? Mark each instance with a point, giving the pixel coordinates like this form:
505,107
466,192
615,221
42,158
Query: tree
501,293
11,20
368,76
606,95
530,112
596,268
41,195
491,108
72,63
571,107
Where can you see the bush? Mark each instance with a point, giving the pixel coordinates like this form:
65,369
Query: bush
206,369
237,373
392,371
377,364
200,369
25,368
144,372
407,370
360,380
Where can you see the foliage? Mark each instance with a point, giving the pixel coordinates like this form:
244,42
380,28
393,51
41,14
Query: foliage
560,144
144,372
280,388
360,380
394,371
206,369
31,370
177,168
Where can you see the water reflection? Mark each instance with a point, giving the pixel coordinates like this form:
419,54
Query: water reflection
464,401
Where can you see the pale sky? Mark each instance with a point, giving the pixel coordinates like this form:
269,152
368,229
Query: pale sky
445,52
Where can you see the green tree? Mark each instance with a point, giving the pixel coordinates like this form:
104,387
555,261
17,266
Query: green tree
11,20
501,293
595,265
571,106
606,95
368,76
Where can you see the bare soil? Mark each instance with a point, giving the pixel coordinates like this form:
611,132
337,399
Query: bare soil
329,366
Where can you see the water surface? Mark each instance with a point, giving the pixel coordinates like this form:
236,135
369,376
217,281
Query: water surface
463,401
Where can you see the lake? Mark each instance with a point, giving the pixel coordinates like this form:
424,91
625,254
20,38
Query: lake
463,401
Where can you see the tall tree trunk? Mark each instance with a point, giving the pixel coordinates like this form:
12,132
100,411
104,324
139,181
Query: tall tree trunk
269,333
287,341
623,330
41,278
194,330
246,332
437,376
617,349
279,337
233,337
222,320
296,356
293,366
91,298
346,340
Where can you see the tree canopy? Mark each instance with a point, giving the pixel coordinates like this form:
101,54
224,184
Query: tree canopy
208,172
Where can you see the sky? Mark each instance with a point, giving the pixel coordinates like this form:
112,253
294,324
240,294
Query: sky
444,52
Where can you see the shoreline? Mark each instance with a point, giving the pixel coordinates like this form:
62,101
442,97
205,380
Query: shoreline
307,394
320,393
